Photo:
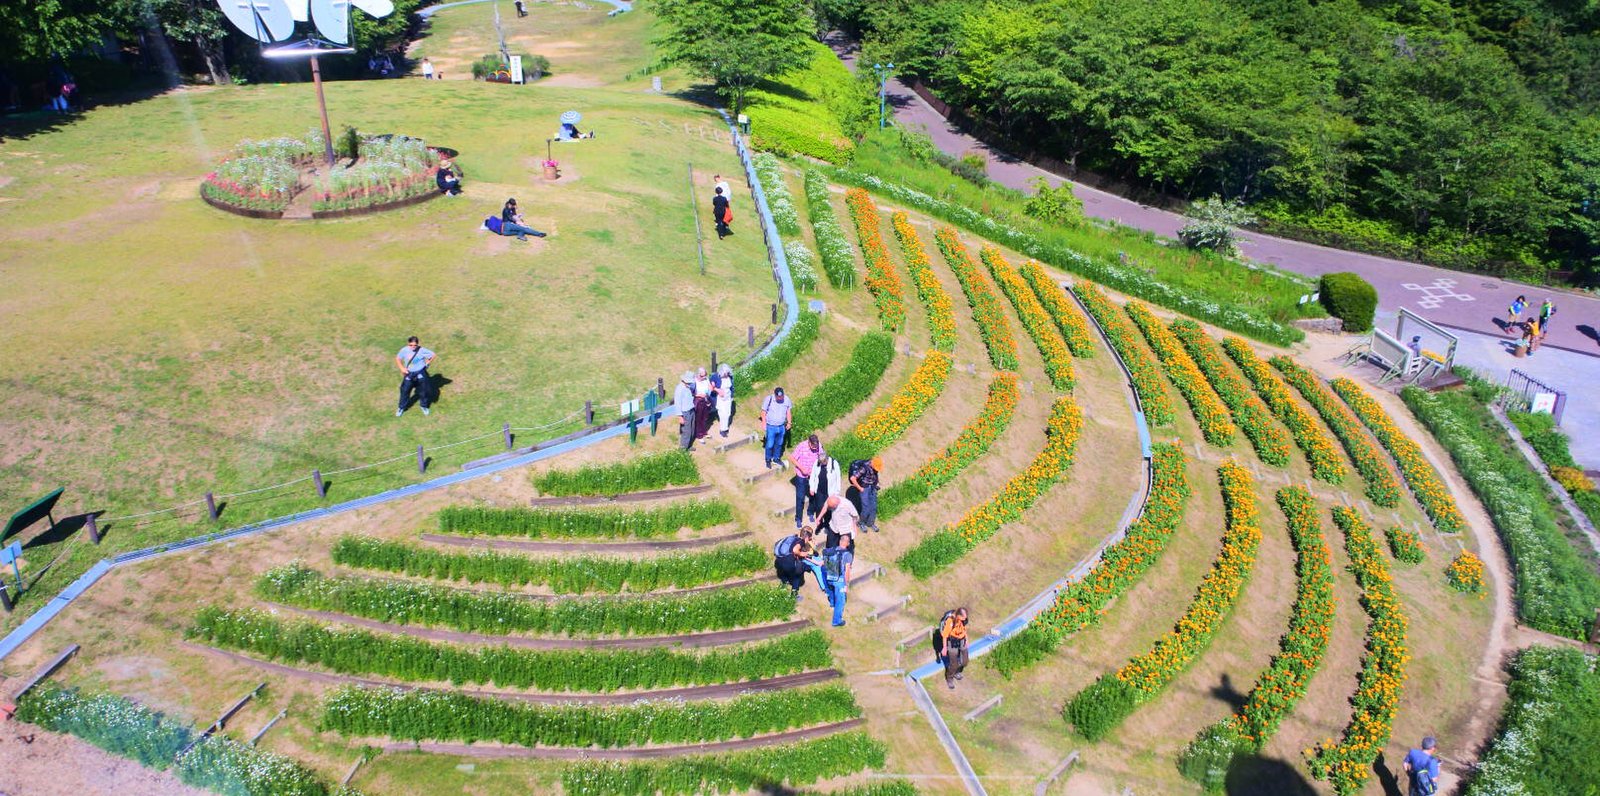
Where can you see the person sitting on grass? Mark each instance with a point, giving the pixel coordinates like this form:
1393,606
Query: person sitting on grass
569,132
511,222
448,180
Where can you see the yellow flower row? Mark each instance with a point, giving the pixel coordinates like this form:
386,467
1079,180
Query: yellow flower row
1074,329
1209,411
1142,369
1420,476
1382,488
986,307
1249,413
888,294
1466,574
941,311
887,422
1308,434
1057,359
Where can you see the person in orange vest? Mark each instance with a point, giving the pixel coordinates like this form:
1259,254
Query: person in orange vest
953,652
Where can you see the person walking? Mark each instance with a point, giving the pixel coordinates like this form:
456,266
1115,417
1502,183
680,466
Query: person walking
775,418
427,69
1547,310
413,361
721,214
954,651
864,485
722,388
837,562
826,481
1535,334
840,519
804,459
1422,768
683,401
722,185
1514,313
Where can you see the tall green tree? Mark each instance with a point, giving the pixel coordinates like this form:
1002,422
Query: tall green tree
736,43
39,30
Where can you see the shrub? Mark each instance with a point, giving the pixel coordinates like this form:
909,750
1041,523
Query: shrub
1465,574
223,765
987,311
771,365
1213,224
815,110
1572,479
1208,757
1209,411
973,441
1097,710
583,523
1349,298
802,266
652,471
769,769
845,389
361,652
117,725
1058,205
838,260
1041,327
1382,489
770,172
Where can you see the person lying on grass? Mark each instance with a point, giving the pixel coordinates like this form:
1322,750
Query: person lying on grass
510,222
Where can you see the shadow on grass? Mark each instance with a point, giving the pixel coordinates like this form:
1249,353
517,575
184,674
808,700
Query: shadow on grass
24,125
1254,775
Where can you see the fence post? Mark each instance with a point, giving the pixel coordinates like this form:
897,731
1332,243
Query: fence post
750,336
661,388
588,413
713,362
505,430
211,506
5,597
774,313
422,461
322,488
92,527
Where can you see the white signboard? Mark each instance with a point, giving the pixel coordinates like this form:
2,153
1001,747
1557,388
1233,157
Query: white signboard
628,408
1544,402
516,69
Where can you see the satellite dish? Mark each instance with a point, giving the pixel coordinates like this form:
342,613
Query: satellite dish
333,19
375,8
263,20
299,10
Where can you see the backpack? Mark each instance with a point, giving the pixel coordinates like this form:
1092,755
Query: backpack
833,562
938,632
1423,783
786,545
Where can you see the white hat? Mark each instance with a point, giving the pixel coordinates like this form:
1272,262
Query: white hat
688,377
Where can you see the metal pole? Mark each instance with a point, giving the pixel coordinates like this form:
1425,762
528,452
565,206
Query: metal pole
588,413
322,488
94,529
750,336
422,461
699,235
322,108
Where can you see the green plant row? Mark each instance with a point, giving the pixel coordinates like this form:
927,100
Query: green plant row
846,388
499,612
1280,688
583,523
1546,738
563,574
1069,321
1121,277
1209,410
1250,413
973,442
1557,589
651,471
1120,567
1425,482
987,311
802,266
355,651
127,729
943,548
1539,429
1308,434
1098,709
1141,366
1348,762
941,310
770,172
774,769
774,363
1404,545
1052,349
445,716
838,259
1382,489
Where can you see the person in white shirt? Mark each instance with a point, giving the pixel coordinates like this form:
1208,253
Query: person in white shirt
727,190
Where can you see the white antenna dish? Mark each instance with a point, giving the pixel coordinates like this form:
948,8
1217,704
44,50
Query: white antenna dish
299,10
333,19
375,8
263,20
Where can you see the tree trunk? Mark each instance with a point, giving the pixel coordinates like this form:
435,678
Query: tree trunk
216,62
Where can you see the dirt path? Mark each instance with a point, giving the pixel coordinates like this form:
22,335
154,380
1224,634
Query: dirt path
629,497
581,547
39,763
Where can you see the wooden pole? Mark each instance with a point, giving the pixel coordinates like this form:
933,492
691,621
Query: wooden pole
505,430
322,487
750,336
93,528
211,506
588,413
422,462
322,109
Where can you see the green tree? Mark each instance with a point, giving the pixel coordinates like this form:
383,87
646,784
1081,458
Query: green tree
39,30
736,43
196,22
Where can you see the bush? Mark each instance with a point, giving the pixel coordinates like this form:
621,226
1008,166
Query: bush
814,111
1216,425
1213,224
1465,574
1140,364
802,266
773,364
1098,709
1546,739
1038,323
583,523
1207,758
1349,298
1404,545
1572,479
1058,205
776,189
1250,413
654,471
941,310
769,769
845,389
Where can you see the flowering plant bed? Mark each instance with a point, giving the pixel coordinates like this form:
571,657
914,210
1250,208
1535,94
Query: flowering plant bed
769,367
987,311
1121,566
941,312
1313,441
1250,414
654,471
583,523
1098,709
1404,545
1074,329
1382,489
263,178
1057,359
886,423
776,189
888,294
1209,411
1124,339
1465,574
1554,702
973,442
838,261
1424,481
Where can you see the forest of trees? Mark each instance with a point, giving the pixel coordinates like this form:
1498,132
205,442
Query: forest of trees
1465,133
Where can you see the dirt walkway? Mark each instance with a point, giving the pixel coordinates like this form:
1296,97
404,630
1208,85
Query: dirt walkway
38,763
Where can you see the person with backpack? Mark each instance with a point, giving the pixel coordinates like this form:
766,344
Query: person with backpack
1422,768
786,561
837,562
950,644
864,485
1547,310
722,391
775,418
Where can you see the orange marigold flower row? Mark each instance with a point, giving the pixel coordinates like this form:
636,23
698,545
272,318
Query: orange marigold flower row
886,423
1270,440
987,310
1209,411
1074,329
1382,489
972,442
1420,476
888,295
1057,359
1308,434
1136,359
1465,574
941,311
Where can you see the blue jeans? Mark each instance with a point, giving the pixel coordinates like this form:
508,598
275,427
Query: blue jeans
774,444
519,230
869,508
802,496
837,592
821,576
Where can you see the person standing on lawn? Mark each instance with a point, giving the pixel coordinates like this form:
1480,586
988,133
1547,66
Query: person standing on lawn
954,652
413,361
775,416
864,482
720,214
804,459
703,398
837,562
722,388
722,185
427,69
1422,768
683,401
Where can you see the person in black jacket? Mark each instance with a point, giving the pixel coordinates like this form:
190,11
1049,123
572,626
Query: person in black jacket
448,179
719,213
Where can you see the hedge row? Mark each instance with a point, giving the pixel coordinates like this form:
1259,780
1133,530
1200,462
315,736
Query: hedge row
1382,489
1280,688
1318,447
127,729
447,716
973,442
1209,411
1348,762
1119,569
1540,431
769,367
563,574
653,471
943,548
583,523
1142,369
499,612
770,172
846,388
1425,482
987,311
1069,321
355,651
1250,414
838,259
1557,589
774,769
1098,709
802,266
888,294
1546,739
1037,322
941,310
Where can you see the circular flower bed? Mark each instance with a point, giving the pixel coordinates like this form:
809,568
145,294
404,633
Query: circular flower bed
262,179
